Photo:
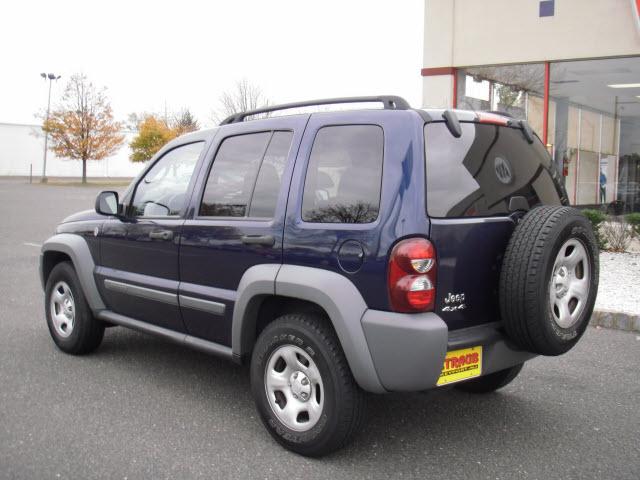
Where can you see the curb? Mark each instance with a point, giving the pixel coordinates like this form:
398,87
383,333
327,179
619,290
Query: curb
627,322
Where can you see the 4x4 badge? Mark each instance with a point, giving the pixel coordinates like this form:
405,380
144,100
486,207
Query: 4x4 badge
453,302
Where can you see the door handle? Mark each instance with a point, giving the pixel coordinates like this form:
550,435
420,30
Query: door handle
266,240
161,235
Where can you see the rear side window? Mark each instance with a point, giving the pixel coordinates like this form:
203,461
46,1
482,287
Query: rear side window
344,175
477,174
246,175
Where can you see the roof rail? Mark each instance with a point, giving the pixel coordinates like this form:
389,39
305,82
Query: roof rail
390,102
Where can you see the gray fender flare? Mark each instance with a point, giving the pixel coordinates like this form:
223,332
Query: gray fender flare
342,301
331,291
76,248
257,283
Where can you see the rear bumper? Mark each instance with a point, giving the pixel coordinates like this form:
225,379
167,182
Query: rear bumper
408,350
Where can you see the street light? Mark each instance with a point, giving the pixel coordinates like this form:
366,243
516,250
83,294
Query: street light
51,77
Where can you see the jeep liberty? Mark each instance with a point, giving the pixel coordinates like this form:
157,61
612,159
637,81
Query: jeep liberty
336,253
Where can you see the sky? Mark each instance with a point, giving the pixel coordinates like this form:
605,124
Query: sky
186,53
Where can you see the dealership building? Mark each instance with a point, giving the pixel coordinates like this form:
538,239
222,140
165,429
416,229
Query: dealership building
570,67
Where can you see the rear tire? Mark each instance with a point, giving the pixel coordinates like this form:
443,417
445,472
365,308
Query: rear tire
491,382
72,326
303,388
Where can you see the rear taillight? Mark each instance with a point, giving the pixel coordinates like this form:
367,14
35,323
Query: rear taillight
412,276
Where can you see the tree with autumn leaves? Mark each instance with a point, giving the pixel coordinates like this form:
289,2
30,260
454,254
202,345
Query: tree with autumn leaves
154,132
82,127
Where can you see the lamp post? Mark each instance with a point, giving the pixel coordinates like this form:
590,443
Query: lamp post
51,77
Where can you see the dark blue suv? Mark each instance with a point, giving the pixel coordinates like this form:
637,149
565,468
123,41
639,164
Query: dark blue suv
336,253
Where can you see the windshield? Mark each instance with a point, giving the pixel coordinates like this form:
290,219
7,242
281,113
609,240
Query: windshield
477,174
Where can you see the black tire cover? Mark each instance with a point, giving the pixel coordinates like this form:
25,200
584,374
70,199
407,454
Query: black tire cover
533,308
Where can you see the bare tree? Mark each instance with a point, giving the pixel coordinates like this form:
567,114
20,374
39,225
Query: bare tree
134,120
526,77
618,234
184,122
510,83
244,96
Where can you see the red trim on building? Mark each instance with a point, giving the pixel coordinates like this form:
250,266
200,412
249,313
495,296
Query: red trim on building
545,112
636,12
454,97
437,71
430,72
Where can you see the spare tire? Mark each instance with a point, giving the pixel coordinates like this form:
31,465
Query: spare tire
549,280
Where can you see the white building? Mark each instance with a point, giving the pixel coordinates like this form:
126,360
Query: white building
22,149
571,67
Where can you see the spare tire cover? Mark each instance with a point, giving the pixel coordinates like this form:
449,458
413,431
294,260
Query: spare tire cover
549,280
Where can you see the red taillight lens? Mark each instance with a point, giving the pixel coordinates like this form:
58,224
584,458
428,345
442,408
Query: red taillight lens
412,276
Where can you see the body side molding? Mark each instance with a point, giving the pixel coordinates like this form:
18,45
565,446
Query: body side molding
142,292
208,306
77,249
154,294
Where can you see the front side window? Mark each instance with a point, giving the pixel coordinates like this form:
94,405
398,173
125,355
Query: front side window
163,190
344,175
246,175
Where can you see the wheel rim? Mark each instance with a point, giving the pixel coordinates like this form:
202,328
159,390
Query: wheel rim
294,388
63,309
570,283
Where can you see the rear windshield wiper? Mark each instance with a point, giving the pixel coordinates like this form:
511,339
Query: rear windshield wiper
526,131
452,123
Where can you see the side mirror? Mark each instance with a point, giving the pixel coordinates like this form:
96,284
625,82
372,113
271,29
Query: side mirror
107,203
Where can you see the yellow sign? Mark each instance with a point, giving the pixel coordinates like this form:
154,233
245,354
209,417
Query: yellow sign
461,365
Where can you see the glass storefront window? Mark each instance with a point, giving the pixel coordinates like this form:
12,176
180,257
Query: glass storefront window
598,122
514,89
593,123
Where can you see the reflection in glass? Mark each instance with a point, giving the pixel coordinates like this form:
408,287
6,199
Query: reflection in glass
162,191
344,175
478,174
592,128
247,171
505,88
233,174
267,188
358,212
595,130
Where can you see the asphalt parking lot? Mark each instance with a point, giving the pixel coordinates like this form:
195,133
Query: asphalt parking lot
141,407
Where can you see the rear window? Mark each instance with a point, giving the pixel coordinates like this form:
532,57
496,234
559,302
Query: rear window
477,174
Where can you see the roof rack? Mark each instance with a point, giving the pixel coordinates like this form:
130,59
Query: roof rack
390,102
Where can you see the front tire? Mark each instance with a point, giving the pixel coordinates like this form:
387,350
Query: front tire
302,386
72,326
